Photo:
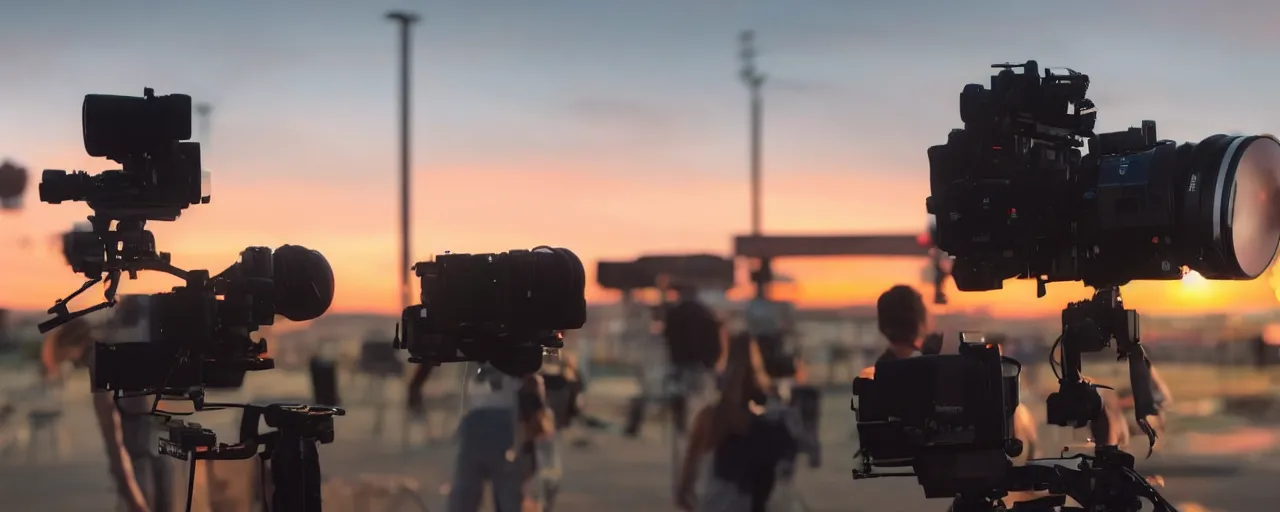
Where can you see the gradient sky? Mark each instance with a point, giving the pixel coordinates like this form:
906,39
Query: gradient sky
613,128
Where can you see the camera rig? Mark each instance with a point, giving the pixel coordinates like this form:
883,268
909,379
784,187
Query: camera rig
292,448
1014,197
160,176
200,334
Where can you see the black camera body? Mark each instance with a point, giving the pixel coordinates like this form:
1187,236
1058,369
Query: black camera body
500,308
194,339
1013,196
947,417
160,174
199,334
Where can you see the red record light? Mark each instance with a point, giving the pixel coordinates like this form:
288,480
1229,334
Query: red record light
923,240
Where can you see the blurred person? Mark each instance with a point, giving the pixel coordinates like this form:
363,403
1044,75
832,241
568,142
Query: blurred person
142,480
504,439
1118,407
565,386
797,404
770,323
417,383
695,339
740,448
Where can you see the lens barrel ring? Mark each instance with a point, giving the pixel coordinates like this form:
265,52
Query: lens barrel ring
1211,206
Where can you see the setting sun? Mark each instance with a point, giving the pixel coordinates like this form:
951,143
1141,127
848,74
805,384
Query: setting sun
1193,280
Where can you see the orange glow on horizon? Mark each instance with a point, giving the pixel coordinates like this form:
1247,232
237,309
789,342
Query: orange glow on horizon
604,216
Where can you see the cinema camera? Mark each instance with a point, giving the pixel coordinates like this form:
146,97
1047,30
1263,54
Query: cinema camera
199,334
1014,198
506,309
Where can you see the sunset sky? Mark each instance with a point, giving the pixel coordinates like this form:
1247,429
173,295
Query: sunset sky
612,128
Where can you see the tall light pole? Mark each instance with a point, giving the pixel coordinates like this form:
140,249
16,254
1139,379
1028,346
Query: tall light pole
405,20
754,79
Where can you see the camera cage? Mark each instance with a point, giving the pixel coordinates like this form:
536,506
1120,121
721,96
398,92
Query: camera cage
489,324
1135,207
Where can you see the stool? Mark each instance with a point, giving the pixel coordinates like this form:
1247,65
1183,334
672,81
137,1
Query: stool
49,423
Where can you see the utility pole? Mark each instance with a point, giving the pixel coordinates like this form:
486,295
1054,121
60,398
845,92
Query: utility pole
405,20
754,79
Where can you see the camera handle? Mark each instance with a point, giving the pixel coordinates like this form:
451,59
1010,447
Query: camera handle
129,249
1090,326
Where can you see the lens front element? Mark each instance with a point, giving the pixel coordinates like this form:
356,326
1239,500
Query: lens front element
1253,208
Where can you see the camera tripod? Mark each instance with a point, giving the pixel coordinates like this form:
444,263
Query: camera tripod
292,449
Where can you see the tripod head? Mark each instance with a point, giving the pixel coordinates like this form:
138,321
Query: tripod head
291,447
1090,326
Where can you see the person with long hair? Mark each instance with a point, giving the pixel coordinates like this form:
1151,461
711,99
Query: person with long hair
737,446
125,429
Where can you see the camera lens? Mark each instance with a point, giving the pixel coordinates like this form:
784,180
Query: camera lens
1231,199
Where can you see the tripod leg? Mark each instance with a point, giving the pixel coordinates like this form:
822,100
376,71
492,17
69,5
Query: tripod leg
295,471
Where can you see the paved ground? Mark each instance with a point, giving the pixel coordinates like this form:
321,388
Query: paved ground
613,474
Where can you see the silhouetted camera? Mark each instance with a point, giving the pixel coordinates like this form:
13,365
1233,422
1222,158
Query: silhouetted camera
948,417
200,334
502,308
1014,197
160,174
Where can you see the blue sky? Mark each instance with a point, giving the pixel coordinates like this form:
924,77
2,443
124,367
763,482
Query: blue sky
585,121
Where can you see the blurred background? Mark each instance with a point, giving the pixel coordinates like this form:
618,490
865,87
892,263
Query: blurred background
619,130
